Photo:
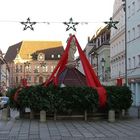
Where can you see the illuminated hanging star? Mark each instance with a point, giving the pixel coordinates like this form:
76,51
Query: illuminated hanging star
111,24
71,24
28,24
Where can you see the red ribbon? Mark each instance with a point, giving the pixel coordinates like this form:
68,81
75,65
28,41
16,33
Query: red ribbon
91,78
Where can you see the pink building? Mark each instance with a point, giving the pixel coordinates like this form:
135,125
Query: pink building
33,60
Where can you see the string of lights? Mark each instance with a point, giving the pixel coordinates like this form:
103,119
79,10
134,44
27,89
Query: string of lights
28,24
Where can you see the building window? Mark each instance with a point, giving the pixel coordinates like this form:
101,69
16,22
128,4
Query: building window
138,5
16,79
129,37
98,42
123,45
133,8
138,60
133,33
52,68
16,69
138,30
45,68
20,68
36,70
52,56
129,11
41,57
59,55
129,63
29,79
27,68
35,79
134,62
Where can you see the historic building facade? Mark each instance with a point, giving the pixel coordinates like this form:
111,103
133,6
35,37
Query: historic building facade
33,60
117,44
97,51
4,74
100,54
133,48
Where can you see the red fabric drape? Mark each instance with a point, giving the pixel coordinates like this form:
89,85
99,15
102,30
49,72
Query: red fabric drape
119,82
23,84
60,66
91,78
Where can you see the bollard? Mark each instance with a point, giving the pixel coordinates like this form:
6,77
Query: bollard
138,112
9,112
85,115
123,112
111,116
5,114
42,116
31,114
54,116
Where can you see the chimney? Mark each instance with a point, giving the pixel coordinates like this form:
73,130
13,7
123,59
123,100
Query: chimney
88,39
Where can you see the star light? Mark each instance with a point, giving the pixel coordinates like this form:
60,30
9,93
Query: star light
28,24
111,23
71,24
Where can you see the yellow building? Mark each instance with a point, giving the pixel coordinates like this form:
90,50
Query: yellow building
33,60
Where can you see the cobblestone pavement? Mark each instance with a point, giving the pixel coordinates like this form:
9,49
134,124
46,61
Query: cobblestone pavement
24,129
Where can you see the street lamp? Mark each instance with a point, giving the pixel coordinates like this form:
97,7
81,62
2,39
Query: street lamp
103,67
125,10
96,55
1,58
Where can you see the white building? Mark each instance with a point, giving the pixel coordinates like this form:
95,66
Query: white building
4,74
117,43
133,48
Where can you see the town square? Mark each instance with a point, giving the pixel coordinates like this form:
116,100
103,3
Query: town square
70,75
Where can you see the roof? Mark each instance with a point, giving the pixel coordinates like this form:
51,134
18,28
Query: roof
52,51
26,48
12,52
99,32
72,77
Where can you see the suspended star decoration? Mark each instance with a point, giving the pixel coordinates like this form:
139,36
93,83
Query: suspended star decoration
111,23
28,24
71,24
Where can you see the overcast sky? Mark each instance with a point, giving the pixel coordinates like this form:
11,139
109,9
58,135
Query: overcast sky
12,12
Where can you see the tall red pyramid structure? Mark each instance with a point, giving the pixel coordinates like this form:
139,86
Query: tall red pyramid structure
90,77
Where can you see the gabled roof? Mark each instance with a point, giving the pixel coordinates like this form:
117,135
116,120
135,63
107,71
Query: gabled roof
26,48
12,52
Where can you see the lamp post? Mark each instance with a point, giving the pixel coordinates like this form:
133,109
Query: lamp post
1,58
103,68
0,76
125,10
96,55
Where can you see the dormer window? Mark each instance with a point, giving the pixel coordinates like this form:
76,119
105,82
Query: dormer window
41,57
52,56
58,55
